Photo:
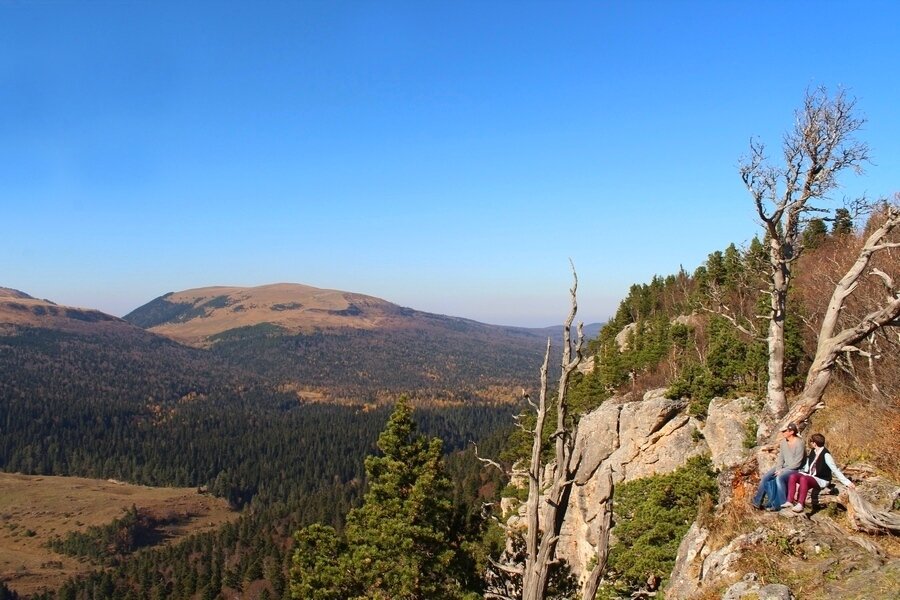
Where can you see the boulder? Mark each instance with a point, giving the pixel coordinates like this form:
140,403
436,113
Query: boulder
685,577
587,365
722,562
622,336
691,320
725,430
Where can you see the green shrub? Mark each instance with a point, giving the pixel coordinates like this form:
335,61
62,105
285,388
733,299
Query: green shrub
750,433
651,517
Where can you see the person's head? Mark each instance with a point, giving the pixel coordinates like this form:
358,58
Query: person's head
818,440
790,430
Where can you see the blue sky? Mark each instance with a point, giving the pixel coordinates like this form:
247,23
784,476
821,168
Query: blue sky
448,156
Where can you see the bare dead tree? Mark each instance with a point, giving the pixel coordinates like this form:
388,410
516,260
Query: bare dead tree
833,340
592,584
550,484
816,151
548,500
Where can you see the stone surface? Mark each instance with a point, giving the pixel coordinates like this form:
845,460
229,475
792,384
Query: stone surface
587,365
685,578
721,563
750,589
725,430
633,440
691,320
622,336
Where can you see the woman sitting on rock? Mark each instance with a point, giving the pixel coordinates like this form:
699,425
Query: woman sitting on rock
816,473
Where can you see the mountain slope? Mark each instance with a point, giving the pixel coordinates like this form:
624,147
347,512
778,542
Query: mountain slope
18,308
311,337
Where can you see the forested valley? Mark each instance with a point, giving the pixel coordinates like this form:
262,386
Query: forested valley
139,408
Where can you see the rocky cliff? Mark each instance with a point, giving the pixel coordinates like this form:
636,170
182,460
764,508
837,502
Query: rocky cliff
635,439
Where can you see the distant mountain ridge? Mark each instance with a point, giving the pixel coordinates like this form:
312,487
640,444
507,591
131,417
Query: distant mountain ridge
19,308
194,315
322,343
200,316
307,336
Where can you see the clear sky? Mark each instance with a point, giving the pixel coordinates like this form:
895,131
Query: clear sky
447,156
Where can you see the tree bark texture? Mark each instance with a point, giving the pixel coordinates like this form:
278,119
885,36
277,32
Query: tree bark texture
605,518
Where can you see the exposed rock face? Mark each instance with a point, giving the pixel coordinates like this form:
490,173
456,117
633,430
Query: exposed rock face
834,563
726,427
622,336
587,365
691,320
634,440
722,562
686,574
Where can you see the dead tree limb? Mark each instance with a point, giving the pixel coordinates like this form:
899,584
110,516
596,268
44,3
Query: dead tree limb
833,342
870,519
815,152
545,512
549,482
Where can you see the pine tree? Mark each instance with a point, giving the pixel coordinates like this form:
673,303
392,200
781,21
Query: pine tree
814,234
399,544
843,222
400,538
319,569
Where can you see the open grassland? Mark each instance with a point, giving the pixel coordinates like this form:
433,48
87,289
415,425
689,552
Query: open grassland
34,509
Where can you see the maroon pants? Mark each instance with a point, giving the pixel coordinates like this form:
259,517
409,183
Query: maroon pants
798,485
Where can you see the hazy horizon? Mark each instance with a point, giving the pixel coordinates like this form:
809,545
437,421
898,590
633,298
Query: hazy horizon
447,157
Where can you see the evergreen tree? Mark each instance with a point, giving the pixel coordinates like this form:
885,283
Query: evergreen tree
400,539
843,222
814,234
319,565
400,543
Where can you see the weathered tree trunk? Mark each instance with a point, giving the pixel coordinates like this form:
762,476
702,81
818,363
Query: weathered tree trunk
605,518
870,519
816,150
832,344
544,518
776,402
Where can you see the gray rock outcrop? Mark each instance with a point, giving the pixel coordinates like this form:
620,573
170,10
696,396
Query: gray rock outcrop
725,430
750,589
633,440
622,336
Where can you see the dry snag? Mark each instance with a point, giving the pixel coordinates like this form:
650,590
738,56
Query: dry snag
833,340
550,484
816,151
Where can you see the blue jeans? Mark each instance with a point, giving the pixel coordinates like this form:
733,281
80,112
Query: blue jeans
780,496
781,488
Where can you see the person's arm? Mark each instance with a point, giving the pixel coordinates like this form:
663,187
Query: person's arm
779,460
829,460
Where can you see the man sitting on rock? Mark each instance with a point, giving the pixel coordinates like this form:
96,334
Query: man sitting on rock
790,459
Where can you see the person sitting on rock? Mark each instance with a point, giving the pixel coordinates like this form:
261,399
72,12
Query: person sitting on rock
816,473
790,459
